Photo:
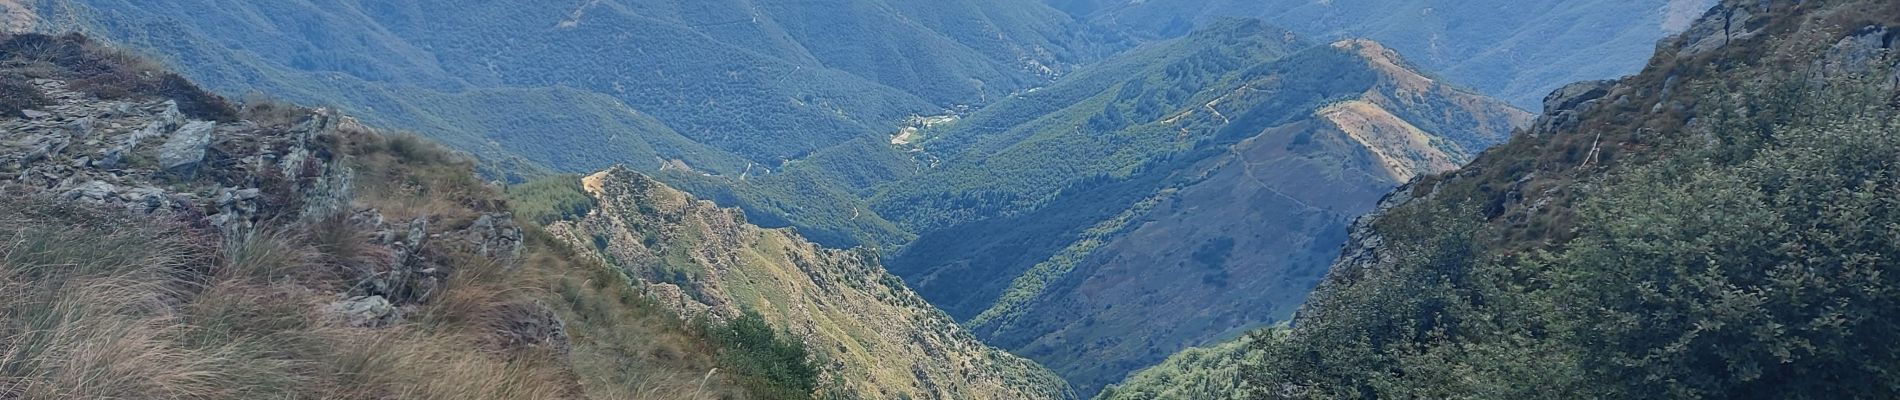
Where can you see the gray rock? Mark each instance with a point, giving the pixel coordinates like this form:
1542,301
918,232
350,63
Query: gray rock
94,191
1573,96
1722,26
121,110
1856,54
82,128
46,147
171,117
35,114
186,150
146,199
363,311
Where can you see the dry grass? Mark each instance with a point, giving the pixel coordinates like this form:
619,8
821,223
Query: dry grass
100,305
624,345
107,306
407,177
107,73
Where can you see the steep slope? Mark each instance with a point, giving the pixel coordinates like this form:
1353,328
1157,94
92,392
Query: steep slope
1719,226
162,244
1513,49
880,340
730,83
1183,194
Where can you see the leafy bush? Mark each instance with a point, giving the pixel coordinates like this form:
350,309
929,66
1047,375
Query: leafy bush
771,365
551,199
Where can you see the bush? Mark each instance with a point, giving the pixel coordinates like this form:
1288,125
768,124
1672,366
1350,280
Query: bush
771,365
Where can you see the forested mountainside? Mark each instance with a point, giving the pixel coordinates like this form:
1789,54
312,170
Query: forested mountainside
1170,197
1517,50
163,242
723,87
878,340
1719,226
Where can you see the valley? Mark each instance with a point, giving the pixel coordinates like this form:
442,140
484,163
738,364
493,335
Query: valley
946,199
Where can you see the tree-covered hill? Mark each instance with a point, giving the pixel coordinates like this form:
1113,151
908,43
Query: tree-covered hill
1719,226
729,83
1181,192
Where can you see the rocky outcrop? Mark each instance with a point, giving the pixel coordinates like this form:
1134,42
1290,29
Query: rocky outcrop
1725,24
1869,50
1563,107
237,178
145,155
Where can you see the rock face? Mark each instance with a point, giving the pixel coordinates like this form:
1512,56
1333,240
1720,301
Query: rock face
1724,24
882,340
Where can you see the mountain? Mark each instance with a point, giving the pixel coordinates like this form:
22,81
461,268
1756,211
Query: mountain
878,338
1513,49
164,242
1717,226
725,87
1170,197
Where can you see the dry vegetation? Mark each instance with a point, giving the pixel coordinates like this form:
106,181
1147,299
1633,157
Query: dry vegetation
103,304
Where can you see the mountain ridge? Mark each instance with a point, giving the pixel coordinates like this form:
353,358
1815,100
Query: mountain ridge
1241,148
881,340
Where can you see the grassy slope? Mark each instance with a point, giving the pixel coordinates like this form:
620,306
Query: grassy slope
879,339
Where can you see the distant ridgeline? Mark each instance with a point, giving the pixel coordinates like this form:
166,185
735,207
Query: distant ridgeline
1719,226
1517,50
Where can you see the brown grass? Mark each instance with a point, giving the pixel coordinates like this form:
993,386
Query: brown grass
107,73
108,306
103,305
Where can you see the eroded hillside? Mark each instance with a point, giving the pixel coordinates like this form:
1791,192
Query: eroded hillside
880,340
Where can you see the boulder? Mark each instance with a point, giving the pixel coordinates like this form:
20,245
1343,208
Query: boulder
1573,96
363,311
1857,54
182,154
94,191
1725,24
82,128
